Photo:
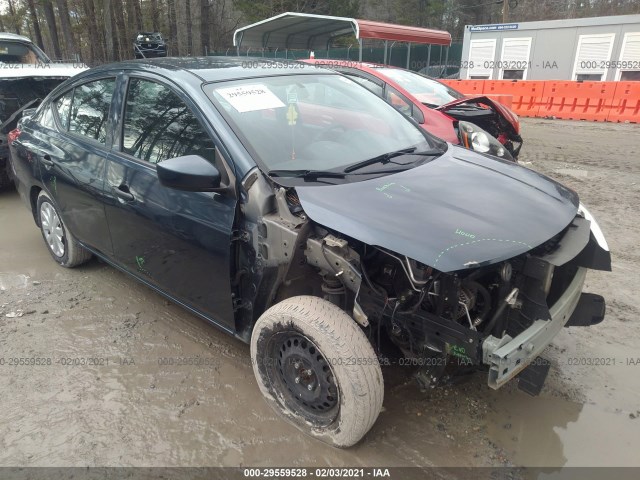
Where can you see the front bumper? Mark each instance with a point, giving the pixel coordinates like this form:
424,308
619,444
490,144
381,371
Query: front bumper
507,356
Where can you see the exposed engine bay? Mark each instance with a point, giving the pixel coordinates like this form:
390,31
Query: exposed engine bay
443,323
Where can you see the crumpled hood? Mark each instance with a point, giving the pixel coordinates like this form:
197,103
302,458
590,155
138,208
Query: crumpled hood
506,113
458,211
43,70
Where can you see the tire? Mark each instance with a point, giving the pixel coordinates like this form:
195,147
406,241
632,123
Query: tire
317,369
5,180
62,245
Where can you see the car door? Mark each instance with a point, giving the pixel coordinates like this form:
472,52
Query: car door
71,143
177,241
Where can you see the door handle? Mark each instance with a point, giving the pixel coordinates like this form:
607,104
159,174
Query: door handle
47,162
123,195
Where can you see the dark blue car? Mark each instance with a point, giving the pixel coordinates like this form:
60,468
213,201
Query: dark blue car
296,210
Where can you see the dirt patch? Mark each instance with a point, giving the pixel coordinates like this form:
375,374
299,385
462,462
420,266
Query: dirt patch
116,375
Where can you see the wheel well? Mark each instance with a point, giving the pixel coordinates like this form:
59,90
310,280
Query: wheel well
33,198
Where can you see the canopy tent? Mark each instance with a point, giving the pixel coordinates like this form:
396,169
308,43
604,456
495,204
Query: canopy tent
315,32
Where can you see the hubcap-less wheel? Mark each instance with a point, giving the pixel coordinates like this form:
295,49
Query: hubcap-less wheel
307,377
52,228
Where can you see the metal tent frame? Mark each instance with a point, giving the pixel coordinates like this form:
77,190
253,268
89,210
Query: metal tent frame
306,31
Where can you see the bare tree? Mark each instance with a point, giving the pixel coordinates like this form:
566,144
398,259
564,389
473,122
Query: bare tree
36,24
108,30
50,19
67,32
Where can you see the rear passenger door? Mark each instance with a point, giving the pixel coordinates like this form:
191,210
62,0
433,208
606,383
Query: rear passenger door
179,242
72,148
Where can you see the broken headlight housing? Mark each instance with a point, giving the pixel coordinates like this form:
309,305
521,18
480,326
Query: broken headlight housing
475,138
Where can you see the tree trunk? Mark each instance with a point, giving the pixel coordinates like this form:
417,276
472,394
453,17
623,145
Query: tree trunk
173,27
204,26
124,38
93,34
182,36
108,30
65,24
154,16
138,14
134,17
12,12
53,29
36,24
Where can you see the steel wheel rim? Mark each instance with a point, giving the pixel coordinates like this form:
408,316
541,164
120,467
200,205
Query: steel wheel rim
52,229
307,381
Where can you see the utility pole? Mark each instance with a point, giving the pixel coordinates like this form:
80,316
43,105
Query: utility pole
505,11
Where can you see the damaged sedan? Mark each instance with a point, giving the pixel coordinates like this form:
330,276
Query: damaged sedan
306,216
476,122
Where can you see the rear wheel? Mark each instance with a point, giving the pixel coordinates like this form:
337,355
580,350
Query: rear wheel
62,245
5,179
316,369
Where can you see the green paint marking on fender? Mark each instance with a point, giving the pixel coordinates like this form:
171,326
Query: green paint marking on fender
478,241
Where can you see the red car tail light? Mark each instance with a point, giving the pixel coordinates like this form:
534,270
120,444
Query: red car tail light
13,135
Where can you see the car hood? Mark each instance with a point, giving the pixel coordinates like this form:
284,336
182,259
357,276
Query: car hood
458,211
506,113
44,70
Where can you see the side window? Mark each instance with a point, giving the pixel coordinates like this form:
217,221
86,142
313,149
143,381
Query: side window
63,107
46,117
158,125
90,109
402,104
368,84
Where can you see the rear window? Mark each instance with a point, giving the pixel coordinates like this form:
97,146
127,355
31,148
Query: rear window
14,52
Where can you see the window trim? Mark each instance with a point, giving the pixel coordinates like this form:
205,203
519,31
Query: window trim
596,71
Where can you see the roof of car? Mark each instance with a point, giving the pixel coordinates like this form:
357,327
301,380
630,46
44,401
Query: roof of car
13,36
212,69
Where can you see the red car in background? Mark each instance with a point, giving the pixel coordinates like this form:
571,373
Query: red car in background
476,122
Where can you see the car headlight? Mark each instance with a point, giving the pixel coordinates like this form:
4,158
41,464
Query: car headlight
475,138
595,228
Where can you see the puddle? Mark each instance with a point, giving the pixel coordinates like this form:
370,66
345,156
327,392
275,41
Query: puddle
13,280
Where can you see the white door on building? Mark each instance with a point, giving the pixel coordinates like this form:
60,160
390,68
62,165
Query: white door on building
481,59
593,57
514,60
629,64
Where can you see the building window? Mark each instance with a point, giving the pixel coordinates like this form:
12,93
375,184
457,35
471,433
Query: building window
481,59
593,56
514,61
629,65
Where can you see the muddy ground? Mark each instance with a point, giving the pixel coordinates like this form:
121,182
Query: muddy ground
127,408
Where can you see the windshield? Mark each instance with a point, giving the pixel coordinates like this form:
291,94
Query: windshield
16,52
426,90
314,122
149,37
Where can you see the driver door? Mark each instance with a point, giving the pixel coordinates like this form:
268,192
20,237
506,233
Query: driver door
177,241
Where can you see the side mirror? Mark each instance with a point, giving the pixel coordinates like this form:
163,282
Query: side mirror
190,173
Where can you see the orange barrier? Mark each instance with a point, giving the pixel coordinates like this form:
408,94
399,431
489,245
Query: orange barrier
527,95
626,103
578,100
595,101
506,100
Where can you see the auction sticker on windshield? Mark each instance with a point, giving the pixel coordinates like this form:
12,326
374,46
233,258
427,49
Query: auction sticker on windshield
249,98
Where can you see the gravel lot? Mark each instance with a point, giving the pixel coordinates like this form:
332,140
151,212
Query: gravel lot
125,408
